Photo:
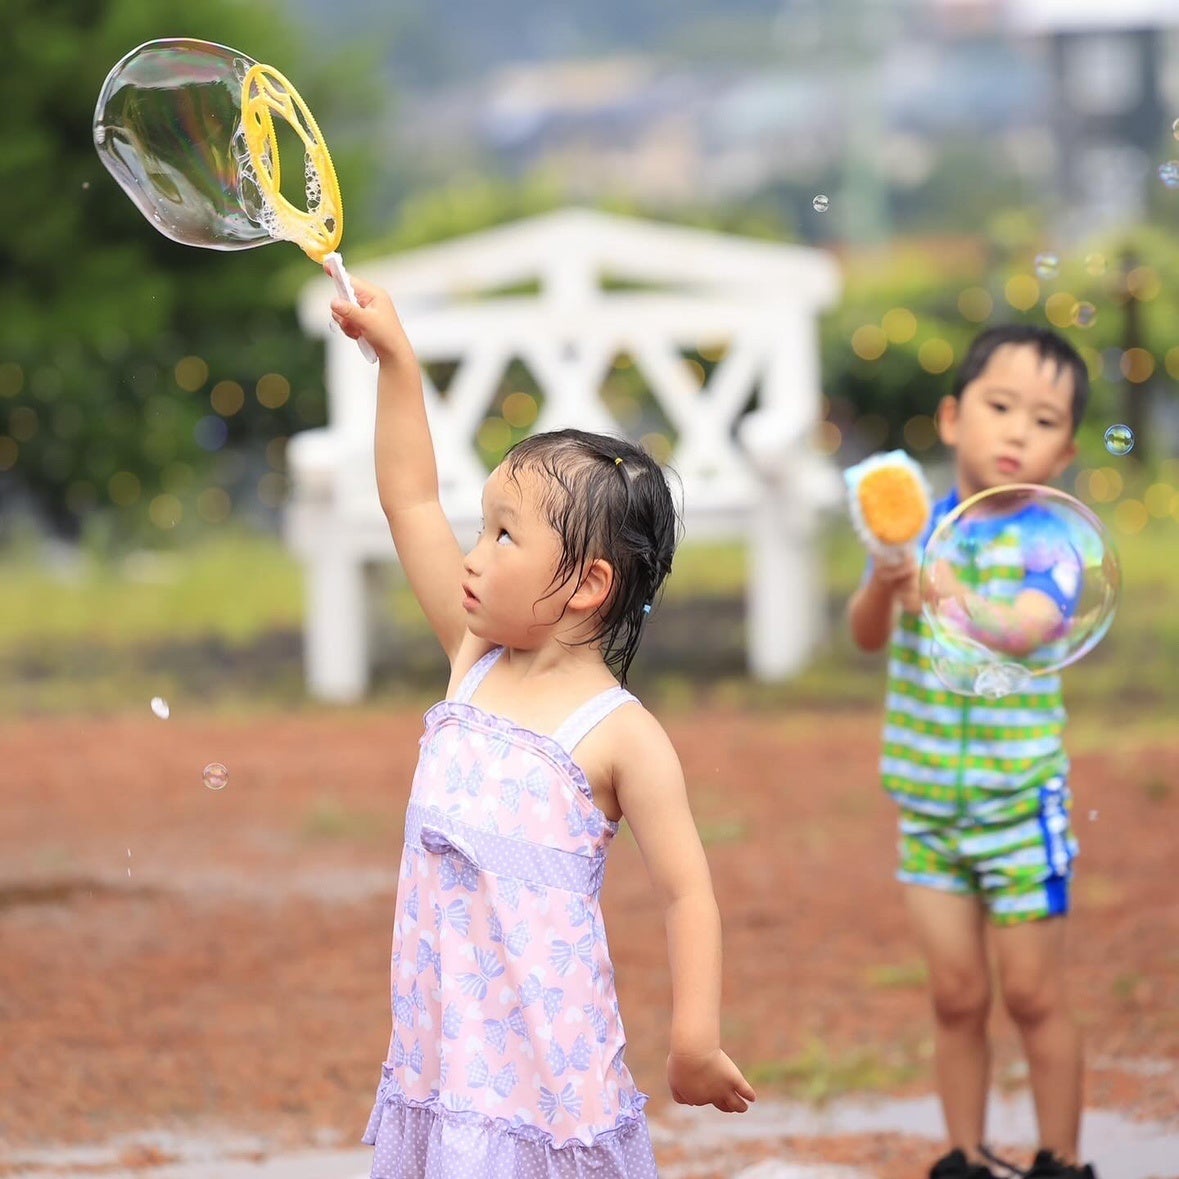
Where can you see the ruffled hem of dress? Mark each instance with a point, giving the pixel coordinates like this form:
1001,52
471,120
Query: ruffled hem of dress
628,1124
446,709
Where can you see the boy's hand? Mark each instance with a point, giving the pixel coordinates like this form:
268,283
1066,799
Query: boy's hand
375,320
902,579
709,1078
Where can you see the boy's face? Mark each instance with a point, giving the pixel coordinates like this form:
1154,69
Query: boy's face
1012,424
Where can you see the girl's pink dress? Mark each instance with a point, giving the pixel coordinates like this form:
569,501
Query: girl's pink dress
506,1059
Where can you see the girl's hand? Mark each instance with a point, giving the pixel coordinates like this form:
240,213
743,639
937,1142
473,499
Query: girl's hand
709,1078
375,319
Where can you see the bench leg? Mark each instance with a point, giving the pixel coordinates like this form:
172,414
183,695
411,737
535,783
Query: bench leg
335,629
784,617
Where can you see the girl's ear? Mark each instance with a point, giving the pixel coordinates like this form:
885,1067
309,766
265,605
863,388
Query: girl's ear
593,591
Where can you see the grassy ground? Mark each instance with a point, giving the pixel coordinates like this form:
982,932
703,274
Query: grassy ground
217,625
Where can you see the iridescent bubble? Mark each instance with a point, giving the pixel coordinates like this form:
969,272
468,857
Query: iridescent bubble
167,127
1016,583
160,707
216,776
1119,439
1095,264
820,204
1169,173
1084,315
1047,265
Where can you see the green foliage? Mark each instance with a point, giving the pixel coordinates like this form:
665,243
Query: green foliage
956,287
97,309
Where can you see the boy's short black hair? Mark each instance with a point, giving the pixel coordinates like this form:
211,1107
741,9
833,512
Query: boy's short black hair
1048,344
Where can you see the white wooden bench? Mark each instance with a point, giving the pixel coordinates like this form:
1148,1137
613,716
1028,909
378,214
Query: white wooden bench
597,286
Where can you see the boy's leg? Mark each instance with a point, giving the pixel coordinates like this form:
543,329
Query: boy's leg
950,927
1031,971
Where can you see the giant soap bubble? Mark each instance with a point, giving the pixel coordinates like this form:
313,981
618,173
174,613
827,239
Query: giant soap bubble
1017,582
167,127
188,129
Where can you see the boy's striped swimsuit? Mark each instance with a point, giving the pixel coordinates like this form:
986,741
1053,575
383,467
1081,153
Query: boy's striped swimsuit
981,784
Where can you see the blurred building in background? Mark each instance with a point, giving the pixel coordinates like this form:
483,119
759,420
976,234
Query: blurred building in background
899,110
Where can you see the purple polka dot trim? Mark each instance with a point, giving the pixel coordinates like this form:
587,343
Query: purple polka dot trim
430,1141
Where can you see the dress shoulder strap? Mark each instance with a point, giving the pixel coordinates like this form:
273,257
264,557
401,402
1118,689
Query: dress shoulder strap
591,713
474,677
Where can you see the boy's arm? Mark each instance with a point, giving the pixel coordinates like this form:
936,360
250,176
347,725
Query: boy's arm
872,611
649,783
1015,628
407,475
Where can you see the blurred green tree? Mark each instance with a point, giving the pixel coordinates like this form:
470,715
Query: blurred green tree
113,339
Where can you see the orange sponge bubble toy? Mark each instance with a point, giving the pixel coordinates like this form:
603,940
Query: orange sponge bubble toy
890,503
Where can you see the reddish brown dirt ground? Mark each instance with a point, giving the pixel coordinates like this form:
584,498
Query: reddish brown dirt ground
175,957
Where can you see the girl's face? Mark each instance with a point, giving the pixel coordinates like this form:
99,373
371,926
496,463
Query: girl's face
508,589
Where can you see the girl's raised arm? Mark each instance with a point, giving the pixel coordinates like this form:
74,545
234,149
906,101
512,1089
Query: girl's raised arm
407,474
650,787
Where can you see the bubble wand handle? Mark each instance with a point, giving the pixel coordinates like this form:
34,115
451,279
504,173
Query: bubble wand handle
334,264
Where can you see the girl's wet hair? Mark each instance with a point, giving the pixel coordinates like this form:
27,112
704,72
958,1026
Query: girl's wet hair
605,498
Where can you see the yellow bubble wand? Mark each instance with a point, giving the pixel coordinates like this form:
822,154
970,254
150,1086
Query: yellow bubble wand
318,229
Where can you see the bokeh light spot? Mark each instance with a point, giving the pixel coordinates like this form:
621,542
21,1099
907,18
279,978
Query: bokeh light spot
869,342
1157,498
165,511
123,488
920,432
976,304
1130,516
520,410
23,423
935,356
1022,292
1137,365
899,324
1060,308
1143,283
272,390
191,373
12,378
227,398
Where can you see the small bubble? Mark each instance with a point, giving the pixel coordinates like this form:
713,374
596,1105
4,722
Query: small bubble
1095,264
85,185
1169,173
820,204
1092,816
1119,439
1047,265
216,776
160,707
1084,315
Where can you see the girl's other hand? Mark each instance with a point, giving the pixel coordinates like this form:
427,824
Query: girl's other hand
709,1078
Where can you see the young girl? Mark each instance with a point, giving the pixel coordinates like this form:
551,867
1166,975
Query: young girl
506,1058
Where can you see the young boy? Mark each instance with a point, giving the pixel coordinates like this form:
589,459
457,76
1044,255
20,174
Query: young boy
982,784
